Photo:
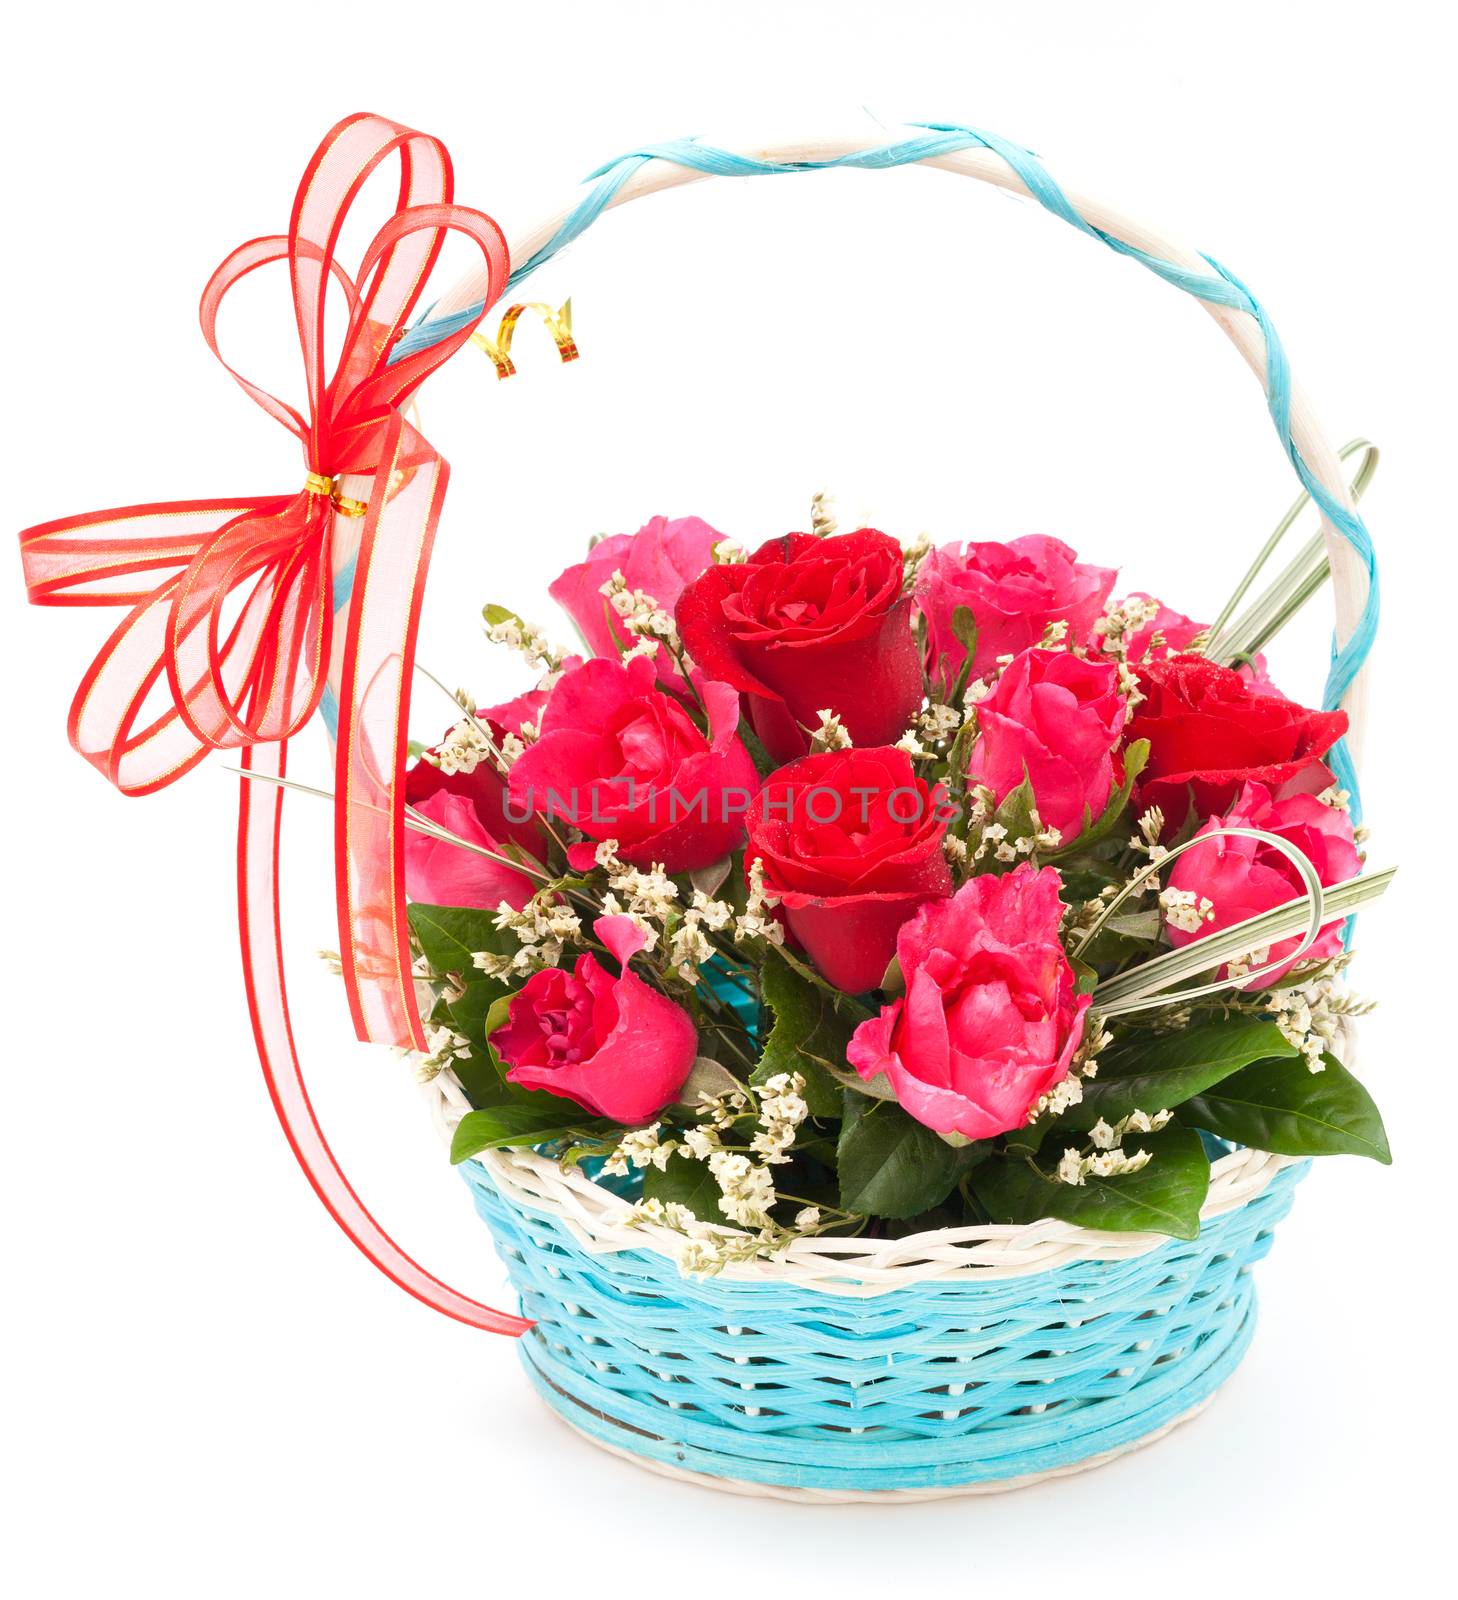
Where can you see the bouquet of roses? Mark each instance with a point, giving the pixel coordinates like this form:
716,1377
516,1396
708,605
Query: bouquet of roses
852,888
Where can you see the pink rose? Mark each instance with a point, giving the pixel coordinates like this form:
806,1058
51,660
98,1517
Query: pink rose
1013,591
1243,877
659,559
1178,632
614,1045
1055,719
621,758
989,1022
441,874
471,805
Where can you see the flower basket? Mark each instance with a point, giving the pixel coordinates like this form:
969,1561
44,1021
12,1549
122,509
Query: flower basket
965,1361
914,1041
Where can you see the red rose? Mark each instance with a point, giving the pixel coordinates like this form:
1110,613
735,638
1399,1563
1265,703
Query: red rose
851,844
614,1045
807,625
1053,719
1211,732
620,758
1013,591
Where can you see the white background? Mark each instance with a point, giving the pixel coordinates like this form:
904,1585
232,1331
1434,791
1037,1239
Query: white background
208,1391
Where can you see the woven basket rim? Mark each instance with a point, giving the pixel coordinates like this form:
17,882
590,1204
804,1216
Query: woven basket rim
597,1220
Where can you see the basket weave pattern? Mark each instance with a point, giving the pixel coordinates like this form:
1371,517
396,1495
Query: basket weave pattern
976,1379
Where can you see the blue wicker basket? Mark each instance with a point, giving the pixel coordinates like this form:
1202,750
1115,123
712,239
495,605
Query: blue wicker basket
939,1364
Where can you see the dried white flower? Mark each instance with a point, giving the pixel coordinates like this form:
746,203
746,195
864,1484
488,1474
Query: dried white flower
830,734
640,614
1120,621
523,637
755,921
1186,910
444,1046
463,749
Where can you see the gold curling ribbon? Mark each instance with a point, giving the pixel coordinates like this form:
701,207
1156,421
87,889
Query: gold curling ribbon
558,324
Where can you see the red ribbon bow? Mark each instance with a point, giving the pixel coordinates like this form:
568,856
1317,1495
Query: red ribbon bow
271,564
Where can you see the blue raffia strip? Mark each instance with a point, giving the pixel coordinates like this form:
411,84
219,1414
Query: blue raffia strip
1220,287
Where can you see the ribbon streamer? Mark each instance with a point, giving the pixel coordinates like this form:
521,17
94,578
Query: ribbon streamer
177,679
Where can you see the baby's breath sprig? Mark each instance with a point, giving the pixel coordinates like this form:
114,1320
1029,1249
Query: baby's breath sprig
506,628
463,749
1310,1014
1122,619
830,734
742,1172
544,927
757,921
446,1046
1103,1156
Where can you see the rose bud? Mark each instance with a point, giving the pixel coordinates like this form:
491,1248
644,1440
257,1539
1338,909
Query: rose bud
851,844
1210,733
620,758
990,1021
1014,591
614,1045
470,802
1054,719
807,625
658,560
1243,877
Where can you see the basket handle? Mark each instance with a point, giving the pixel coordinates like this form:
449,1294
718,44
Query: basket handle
975,154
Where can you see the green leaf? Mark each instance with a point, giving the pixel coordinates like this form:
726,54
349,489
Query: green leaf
709,1079
964,630
1154,1072
450,936
891,1165
686,1183
522,1123
809,1035
1163,1197
472,1016
1283,1107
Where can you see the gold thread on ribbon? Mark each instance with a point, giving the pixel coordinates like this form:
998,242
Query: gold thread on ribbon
558,323
317,483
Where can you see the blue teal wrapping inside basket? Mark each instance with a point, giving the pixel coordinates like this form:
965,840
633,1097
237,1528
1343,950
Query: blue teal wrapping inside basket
933,1385
734,991
1217,287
